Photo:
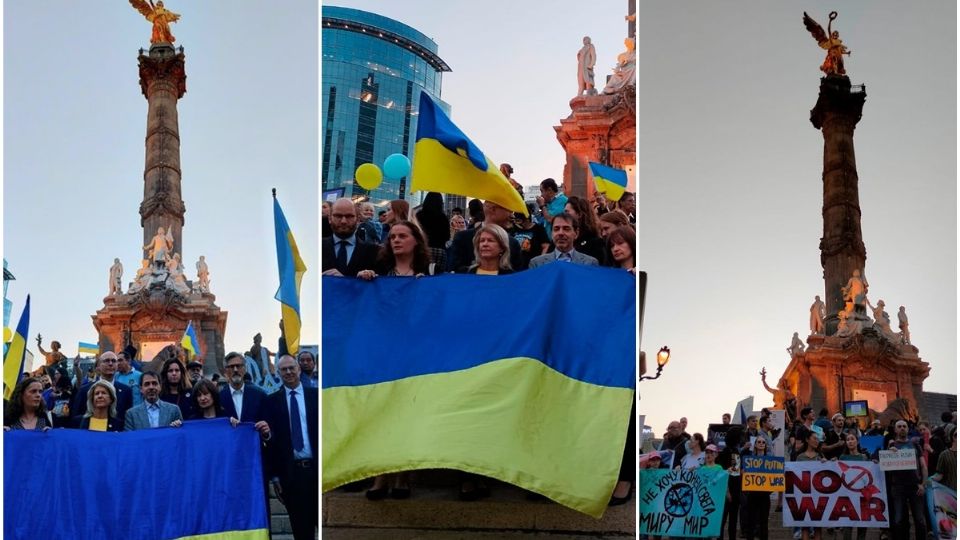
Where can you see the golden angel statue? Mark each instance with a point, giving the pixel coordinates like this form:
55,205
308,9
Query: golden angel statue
829,40
161,18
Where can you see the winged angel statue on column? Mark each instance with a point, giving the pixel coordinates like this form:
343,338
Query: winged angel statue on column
829,40
161,18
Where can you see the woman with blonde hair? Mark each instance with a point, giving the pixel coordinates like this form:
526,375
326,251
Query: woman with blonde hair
101,412
491,252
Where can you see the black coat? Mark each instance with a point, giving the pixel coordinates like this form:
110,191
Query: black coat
363,258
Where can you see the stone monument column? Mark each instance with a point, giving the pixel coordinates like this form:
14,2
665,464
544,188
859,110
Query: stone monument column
836,114
163,81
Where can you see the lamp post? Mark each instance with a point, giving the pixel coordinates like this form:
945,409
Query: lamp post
663,356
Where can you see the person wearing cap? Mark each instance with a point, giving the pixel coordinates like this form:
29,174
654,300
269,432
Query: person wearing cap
710,458
195,371
833,440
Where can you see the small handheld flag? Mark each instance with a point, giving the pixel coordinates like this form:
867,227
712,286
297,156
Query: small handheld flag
609,181
291,269
88,348
446,160
189,341
13,360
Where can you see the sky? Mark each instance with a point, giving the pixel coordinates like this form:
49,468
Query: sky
730,191
514,69
73,155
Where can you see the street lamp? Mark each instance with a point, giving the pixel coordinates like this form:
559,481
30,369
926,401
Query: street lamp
663,356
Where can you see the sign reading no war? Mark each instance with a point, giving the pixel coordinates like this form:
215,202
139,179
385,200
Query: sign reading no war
681,502
834,494
762,473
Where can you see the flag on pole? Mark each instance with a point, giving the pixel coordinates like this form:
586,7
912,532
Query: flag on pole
291,269
447,161
189,341
609,181
89,348
13,360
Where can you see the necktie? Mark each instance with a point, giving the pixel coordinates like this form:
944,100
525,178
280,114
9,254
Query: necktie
342,256
296,434
565,257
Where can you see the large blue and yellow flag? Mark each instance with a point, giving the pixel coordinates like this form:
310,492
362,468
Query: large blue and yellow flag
189,341
542,401
13,360
446,160
123,485
291,273
609,181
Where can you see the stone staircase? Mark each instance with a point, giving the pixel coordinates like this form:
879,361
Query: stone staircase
434,512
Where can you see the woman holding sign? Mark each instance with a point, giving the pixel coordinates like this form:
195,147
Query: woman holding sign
757,502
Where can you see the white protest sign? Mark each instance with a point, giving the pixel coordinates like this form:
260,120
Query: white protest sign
898,460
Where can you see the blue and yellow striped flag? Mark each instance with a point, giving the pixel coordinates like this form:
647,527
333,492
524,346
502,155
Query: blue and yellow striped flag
446,160
291,268
544,405
89,348
189,341
13,360
609,181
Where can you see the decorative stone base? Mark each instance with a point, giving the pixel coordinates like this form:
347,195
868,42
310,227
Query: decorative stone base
601,129
159,314
865,366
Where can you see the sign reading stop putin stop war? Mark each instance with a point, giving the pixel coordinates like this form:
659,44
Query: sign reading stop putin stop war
762,473
686,503
834,494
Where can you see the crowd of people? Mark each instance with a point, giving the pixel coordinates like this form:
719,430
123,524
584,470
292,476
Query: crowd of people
487,240
819,438
119,397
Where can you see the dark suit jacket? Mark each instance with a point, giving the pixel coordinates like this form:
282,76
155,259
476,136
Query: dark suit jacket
78,407
113,424
461,252
363,258
280,446
253,403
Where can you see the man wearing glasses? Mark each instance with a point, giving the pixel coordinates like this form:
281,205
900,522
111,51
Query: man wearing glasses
238,399
106,369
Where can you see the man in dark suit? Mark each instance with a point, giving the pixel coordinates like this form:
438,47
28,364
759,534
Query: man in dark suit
293,415
239,400
343,253
461,248
106,367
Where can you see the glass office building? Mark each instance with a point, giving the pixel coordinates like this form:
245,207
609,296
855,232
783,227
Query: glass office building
373,71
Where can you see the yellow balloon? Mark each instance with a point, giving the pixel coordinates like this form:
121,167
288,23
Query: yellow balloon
7,335
369,176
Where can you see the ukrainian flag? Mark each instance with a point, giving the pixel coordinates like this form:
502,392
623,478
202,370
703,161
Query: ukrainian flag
13,360
446,160
189,341
89,348
542,403
133,498
609,181
291,274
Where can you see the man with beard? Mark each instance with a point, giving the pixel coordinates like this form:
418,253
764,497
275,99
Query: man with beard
343,253
239,400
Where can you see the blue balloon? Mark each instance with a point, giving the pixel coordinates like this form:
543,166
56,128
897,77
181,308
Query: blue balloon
396,166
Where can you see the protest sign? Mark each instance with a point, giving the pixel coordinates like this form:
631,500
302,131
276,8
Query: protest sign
762,473
871,443
684,503
717,434
778,422
942,508
898,460
834,494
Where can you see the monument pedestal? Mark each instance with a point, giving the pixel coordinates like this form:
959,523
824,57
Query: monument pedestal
602,129
866,366
157,316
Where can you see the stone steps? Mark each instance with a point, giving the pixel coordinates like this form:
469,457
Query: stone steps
435,512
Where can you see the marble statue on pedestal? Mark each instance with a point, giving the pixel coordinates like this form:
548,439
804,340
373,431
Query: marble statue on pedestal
142,278
586,59
904,325
796,345
624,73
817,313
116,276
203,275
882,321
160,246
855,293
